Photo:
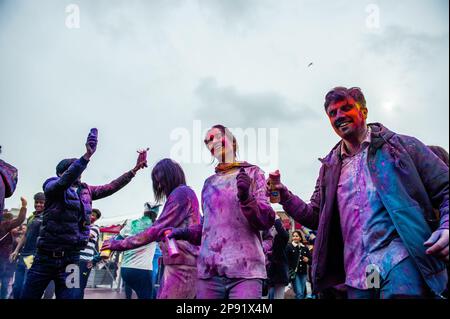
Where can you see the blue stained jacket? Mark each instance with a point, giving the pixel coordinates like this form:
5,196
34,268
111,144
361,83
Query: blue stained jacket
411,181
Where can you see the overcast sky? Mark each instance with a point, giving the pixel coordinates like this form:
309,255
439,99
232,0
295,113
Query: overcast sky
141,70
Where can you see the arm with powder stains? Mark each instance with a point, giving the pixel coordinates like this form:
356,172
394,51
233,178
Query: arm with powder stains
99,192
301,212
256,207
16,222
173,214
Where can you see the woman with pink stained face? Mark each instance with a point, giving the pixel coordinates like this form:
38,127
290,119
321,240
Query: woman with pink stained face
231,262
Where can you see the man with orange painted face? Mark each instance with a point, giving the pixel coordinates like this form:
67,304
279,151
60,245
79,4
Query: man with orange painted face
373,209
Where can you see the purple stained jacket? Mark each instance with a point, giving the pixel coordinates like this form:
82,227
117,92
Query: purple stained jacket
8,182
66,217
231,242
410,181
180,211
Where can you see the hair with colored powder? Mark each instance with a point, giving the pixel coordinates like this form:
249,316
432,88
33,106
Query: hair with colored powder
341,93
166,176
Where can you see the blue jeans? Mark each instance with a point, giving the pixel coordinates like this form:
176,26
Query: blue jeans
219,287
46,269
139,280
19,278
299,286
85,271
404,281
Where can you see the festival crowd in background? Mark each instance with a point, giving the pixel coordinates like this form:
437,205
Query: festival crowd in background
375,227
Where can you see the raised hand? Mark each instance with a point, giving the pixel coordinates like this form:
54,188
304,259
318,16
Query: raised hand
106,245
23,201
278,187
91,143
243,182
141,161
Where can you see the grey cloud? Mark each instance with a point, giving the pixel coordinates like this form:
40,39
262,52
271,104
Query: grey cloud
397,42
228,105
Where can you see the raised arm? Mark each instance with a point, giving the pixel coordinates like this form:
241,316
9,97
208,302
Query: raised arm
294,206
103,191
99,192
73,173
281,232
10,225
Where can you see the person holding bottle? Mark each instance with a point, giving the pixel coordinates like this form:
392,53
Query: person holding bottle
236,211
180,210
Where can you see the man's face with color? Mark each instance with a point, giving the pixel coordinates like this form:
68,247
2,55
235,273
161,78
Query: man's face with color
347,117
39,205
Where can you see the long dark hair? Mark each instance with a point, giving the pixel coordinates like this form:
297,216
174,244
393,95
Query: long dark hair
166,176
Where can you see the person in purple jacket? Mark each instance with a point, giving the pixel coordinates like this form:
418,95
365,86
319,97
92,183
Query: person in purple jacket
231,263
66,224
8,182
180,211
373,206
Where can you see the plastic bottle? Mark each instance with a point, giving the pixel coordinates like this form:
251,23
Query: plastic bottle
274,179
171,245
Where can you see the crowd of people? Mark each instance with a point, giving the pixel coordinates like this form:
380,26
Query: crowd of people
379,213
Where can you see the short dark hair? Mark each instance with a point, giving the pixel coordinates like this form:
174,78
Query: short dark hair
39,196
64,165
97,212
166,176
341,93
440,152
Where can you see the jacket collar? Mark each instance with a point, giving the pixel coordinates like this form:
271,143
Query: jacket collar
379,136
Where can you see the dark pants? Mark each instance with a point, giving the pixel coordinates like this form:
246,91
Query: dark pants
129,291
6,274
85,271
19,280
404,281
46,269
139,280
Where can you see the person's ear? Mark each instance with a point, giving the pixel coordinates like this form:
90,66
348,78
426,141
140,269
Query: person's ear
364,111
